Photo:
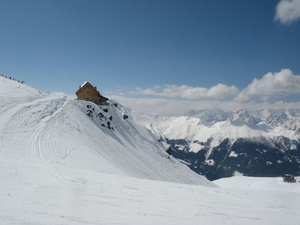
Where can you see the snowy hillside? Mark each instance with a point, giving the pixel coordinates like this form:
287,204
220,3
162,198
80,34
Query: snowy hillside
258,183
45,195
55,129
64,161
219,144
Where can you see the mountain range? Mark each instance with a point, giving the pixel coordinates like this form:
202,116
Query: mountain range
219,143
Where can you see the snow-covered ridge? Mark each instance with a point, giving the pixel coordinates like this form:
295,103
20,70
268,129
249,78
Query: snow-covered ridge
55,129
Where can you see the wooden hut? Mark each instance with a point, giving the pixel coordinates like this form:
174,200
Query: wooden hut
89,92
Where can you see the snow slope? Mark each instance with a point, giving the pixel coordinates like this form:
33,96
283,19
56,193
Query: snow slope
60,166
42,195
55,129
259,183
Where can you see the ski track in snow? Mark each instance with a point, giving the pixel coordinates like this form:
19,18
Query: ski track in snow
58,166
30,119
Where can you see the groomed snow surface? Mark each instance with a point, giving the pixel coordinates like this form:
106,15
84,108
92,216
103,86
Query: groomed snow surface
60,166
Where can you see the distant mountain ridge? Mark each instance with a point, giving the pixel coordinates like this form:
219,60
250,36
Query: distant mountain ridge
288,119
220,143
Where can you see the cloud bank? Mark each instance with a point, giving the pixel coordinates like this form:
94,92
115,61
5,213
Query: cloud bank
270,86
171,107
288,11
171,100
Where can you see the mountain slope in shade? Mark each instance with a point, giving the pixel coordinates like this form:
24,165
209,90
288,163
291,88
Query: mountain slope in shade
220,144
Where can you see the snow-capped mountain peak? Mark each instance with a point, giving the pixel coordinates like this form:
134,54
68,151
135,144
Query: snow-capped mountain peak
206,140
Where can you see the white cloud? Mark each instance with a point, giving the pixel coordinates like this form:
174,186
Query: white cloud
288,11
272,86
219,91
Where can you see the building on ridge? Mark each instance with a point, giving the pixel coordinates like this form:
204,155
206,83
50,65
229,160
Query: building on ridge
90,93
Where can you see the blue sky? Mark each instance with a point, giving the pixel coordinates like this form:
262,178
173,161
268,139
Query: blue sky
203,53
